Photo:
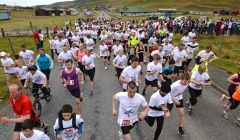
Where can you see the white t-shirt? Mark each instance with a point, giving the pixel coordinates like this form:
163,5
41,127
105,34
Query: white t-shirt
8,62
191,35
167,49
131,74
191,48
103,49
204,55
177,90
37,77
66,55
74,50
88,42
27,56
37,135
68,133
22,72
199,78
153,67
116,49
103,37
156,100
161,54
89,61
128,107
121,61
58,45
178,56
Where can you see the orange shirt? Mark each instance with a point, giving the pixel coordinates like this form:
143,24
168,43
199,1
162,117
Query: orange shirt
236,94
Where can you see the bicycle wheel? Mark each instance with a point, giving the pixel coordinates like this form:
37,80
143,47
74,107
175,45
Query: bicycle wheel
37,107
48,98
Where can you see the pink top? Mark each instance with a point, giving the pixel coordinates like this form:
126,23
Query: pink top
80,55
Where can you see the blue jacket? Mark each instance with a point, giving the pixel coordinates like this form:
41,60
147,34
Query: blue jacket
44,62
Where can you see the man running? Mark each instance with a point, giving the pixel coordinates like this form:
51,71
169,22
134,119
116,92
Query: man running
129,103
70,80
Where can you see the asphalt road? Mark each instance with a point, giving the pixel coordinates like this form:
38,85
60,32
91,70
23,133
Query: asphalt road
206,122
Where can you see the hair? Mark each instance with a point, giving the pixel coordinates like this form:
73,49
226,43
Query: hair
156,56
69,60
67,108
135,59
23,46
171,61
41,49
209,47
185,76
165,87
202,67
131,85
16,86
27,124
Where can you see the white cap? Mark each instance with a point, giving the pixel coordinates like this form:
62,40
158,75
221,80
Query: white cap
3,54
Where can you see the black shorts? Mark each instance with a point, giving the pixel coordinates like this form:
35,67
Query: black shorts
181,104
104,57
234,103
194,93
177,69
76,93
18,126
91,73
153,83
23,81
47,73
126,129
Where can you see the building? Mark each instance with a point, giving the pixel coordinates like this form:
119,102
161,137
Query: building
134,11
55,12
70,12
5,15
227,12
44,11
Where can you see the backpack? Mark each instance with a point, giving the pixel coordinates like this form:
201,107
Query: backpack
74,122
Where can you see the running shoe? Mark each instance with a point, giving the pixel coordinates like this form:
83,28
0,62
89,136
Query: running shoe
189,111
105,68
238,121
143,93
181,132
46,129
225,115
187,104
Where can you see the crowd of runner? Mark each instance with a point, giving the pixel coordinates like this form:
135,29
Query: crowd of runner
129,46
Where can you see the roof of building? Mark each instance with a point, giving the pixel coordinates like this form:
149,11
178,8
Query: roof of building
134,10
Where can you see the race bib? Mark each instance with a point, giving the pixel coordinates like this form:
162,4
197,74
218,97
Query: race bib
69,133
70,82
126,122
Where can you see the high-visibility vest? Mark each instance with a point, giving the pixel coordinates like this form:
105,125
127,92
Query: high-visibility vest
133,41
161,32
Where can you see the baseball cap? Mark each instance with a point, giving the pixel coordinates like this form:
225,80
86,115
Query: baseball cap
3,54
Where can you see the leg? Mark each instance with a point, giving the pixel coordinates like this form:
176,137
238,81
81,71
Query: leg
79,105
180,118
160,121
16,136
149,120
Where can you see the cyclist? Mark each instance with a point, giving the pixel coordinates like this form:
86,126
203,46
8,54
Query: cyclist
129,103
39,80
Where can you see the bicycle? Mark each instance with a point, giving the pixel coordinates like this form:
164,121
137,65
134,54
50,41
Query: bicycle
38,97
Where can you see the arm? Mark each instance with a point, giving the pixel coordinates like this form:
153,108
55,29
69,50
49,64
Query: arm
114,105
206,83
122,79
230,79
80,74
15,120
37,62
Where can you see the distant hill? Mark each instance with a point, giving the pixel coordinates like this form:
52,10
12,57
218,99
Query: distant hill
155,4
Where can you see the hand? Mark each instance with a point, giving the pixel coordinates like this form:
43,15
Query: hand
167,114
65,85
5,120
59,137
164,108
177,102
141,116
77,136
114,112
82,82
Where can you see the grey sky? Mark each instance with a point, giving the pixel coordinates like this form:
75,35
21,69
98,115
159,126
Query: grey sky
29,2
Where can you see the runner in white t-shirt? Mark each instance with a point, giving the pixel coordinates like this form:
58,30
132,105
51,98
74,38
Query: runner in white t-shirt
120,62
154,72
129,103
103,52
191,48
199,79
27,55
65,55
177,89
160,105
29,133
131,73
116,48
8,66
180,56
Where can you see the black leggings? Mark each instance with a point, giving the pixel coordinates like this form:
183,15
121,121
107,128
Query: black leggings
160,120
119,72
82,68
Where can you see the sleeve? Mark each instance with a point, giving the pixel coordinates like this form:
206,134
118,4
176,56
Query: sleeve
117,96
115,59
28,75
124,72
11,61
194,75
51,61
37,62
56,128
45,137
144,102
160,70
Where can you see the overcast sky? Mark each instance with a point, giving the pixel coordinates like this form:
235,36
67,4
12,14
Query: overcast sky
29,2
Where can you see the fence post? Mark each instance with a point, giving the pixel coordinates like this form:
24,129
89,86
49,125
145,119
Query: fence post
31,24
3,34
47,31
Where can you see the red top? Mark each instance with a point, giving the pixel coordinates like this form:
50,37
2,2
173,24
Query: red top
36,36
23,106
152,49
